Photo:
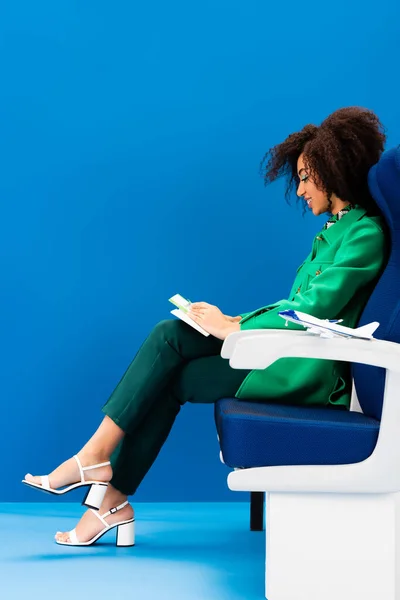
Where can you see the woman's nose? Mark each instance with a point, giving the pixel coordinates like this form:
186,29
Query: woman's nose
300,189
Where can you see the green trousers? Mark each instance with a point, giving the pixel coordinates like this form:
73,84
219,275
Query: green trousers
175,364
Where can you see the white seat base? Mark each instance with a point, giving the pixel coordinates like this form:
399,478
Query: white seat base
330,546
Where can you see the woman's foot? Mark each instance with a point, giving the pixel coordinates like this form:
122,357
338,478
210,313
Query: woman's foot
90,525
68,472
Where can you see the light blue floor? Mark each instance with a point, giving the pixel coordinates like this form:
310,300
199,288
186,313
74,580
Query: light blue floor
195,551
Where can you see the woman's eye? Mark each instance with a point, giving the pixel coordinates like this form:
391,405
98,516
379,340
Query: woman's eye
304,178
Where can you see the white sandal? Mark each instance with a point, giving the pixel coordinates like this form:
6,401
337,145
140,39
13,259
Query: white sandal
95,493
125,530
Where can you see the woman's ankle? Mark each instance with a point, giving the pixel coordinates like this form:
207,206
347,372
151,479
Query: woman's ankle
114,497
89,456
104,441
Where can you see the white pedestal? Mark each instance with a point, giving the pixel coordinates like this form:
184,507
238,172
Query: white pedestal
332,546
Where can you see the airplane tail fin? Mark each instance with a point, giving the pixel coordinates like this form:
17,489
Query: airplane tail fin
368,330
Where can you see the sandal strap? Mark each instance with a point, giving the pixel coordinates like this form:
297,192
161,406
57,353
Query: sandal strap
104,464
95,512
44,480
113,510
80,468
73,538
88,468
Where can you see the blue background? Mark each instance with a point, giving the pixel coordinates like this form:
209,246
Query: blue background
130,139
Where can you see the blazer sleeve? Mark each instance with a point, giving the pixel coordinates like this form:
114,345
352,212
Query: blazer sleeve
358,262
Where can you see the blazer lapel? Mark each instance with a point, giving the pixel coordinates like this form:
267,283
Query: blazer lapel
335,231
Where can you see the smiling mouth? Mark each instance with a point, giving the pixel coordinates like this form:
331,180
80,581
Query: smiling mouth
308,200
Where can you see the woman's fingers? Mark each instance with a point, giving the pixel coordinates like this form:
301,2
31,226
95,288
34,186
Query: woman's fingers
199,305
198,311
195,317
197,314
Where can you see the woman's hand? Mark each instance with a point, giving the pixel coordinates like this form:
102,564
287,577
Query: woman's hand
211,319
234,319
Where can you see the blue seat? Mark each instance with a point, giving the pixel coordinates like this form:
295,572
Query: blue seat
253,434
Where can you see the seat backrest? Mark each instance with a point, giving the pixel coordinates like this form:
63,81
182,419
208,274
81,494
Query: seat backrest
384,303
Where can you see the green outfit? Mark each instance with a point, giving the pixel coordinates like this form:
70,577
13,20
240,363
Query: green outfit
334,282
176,364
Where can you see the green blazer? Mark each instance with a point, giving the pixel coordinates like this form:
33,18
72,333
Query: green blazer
334,282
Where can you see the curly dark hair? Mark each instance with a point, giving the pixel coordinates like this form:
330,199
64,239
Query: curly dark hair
338,155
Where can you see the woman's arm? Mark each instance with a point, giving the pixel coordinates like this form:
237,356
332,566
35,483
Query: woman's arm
234,319
358,262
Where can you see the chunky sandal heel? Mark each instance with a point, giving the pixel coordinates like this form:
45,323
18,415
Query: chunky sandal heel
95,495
126,534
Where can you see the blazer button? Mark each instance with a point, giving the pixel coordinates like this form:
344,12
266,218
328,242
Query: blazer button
298,290
318,272
319,238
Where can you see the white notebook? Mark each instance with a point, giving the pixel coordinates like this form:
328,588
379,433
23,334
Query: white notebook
181,313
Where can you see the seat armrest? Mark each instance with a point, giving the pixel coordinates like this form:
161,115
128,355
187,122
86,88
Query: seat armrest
258,349
230,341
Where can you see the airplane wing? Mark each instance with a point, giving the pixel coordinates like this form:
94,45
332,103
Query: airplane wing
321,332
325,332
329,329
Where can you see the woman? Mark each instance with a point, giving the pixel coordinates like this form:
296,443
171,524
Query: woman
329,165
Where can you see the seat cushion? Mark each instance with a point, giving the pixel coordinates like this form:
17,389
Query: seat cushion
253,434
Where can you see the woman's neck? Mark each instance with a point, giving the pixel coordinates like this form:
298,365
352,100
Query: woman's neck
338,205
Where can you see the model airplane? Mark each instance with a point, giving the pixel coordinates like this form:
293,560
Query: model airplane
329,329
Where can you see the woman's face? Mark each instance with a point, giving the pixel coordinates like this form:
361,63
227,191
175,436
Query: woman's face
316,199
